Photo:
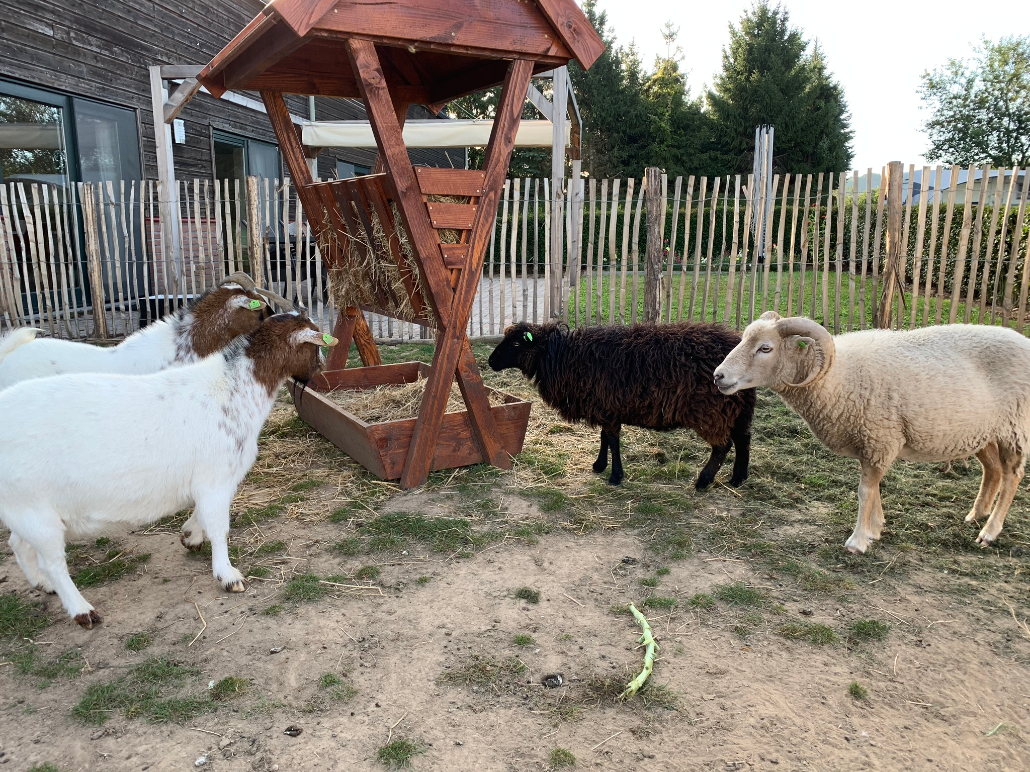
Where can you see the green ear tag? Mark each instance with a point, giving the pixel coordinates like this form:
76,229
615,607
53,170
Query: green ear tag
529,337
255,305
802,344
327,338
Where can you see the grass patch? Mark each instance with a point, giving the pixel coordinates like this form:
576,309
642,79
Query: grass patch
528,594
650,582
30,661
738,594
144,692
139,641
47,767
560,758
335,687
89,567
857,691
702,601
229,688
348,547
424,580
260,572
399,753
274,610
306,485
20,618
813,632
304,588
868,630
367,573
663,571
551,500
524,640
479,670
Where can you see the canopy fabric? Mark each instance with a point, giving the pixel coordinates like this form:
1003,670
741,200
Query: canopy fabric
431,133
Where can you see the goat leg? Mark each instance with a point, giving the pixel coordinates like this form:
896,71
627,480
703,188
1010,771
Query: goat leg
870,511
711,469
212,512
741,453
602,458
613,443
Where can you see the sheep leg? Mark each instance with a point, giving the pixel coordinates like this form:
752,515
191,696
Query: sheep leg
212,512
613,443
192,535
1012,472
711,469
44,533
742,455
990,460
870,510
602,458
29,563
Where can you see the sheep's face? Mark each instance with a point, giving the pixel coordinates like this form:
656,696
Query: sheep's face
287,346
765,357
222,315
518,349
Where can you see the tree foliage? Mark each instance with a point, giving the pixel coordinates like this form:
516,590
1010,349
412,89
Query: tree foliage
770,77
981,109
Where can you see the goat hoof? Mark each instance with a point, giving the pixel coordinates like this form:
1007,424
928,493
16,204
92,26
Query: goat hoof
971,517
599,467
984,540
235,586
702,482
736,482
613,480
185,538
89,619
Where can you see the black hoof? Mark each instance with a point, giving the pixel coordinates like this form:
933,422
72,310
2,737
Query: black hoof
703,482
599,467
88,620
736,482
613,480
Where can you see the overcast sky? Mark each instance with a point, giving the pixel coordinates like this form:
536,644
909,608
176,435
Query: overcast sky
876,49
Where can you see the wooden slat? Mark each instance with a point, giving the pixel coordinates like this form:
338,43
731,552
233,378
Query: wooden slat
779,243
1017,234
722,250
730,278
977,238
839,263
942,274
627,212
612,255
985,284
688,202
502,251
452,343
745,254
713,208
1004,232
677,191
301,15
769,242
450,182
575,30
826,254
793,236
803,247
698,231
865,246
935,195
635,252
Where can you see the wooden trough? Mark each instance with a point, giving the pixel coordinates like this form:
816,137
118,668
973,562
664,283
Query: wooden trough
393,55
383,447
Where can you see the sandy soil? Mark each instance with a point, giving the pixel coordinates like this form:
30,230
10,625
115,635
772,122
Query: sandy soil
947,675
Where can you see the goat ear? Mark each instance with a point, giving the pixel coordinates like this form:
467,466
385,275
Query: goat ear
313,336
799,342
770,316
243,301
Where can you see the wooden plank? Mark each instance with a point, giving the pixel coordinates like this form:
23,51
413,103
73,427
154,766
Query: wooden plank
53,253
771,206
793,237
687,203
698,232
450,182
451,215
525,253
536,247
779,243
271,45
575,30
963,243
612,258
301,16
934,222
1009,259
677,191
917,264
635,253
803,246
344,430
826,255
180,71
839,263
1017,234
653,257
977,240
1003,209
502,252
985,284
8,263
452,343
865,245
733,251
87,195
894,258
942,274
722,250
407,195
749,201
362,378
881,203
343,331
626,213
713,207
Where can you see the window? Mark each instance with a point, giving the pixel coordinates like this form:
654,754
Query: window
345,171
239,157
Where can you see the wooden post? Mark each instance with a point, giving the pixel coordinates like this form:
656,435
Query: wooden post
653,258
91,237
171,247
893,260
560,97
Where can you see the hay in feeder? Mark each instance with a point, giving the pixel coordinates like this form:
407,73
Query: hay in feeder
396,402
369,276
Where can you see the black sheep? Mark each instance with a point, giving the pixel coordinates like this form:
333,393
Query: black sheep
652,376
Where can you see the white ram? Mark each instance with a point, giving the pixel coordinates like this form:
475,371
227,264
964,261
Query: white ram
933,394
85,454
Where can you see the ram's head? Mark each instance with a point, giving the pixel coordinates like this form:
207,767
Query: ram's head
777,353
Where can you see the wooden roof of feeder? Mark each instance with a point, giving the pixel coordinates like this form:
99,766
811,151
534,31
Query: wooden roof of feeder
432,51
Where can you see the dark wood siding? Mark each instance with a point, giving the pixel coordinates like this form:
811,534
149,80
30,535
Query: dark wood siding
101,50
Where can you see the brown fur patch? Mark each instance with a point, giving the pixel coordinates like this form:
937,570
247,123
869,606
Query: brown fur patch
216,324
277,358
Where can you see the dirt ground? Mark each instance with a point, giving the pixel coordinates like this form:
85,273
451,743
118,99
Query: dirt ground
760,667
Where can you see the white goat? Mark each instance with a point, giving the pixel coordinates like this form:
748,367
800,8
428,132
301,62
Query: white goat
68,469
934,394
189,334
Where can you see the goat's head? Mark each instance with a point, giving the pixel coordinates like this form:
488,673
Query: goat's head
287,346
222,315
777,353
520,347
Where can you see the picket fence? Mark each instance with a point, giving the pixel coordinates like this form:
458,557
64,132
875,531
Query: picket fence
936,245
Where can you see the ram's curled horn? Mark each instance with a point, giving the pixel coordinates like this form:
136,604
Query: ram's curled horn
244,280
825,350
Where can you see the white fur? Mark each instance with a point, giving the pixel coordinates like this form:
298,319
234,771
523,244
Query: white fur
156,347
13,340
933,394
83,454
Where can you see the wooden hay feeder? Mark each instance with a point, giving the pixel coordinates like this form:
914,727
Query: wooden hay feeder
391,56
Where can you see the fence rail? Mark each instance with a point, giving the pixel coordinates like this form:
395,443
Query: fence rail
930,246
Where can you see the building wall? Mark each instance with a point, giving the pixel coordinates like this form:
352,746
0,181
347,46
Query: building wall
101,50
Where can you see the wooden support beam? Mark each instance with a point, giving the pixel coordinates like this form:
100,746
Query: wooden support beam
386,127
180,71
177,100
540,102
452,343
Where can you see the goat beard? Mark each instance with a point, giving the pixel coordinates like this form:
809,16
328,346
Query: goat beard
298,396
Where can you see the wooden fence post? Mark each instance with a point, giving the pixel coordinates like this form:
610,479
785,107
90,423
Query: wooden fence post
653,259
91,237
893,278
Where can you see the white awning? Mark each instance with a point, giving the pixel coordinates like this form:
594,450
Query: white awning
433,133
